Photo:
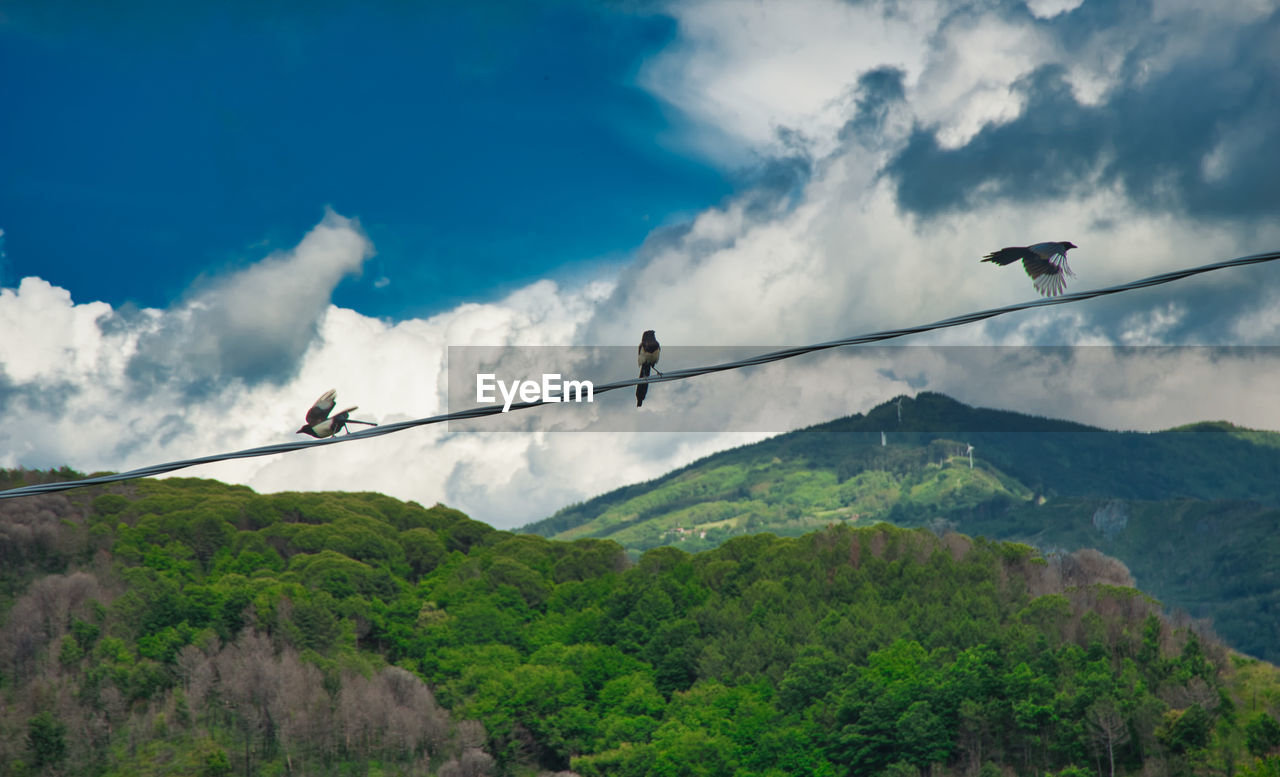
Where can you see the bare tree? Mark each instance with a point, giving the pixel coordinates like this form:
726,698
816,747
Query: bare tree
416,721
196,670
41,616
958,545
36,528
1196,691
247,684
301,710
1108,729
471,734
1087,566
393,713
472,763
360,713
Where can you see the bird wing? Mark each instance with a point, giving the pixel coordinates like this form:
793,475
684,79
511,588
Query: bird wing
1036,267
320,410
1046,276
1050,285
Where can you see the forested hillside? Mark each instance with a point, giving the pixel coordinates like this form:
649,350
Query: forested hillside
1192,511
184,626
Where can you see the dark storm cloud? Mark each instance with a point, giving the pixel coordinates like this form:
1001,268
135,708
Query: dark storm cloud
877,92
36,398
199,354
1047,152
1196,137
632,280
254,325
1076,27
779,180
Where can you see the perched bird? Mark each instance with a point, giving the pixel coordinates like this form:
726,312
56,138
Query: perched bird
647,356
320,424
1046,263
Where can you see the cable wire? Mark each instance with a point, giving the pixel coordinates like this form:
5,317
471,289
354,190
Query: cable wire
764,358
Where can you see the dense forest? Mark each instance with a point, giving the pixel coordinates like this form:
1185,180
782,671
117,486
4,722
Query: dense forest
185,626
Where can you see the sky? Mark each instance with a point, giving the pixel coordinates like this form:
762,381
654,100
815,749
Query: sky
212,213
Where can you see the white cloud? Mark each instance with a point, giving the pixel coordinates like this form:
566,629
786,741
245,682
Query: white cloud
1047,9
46,337
743,71
1151,327
968,80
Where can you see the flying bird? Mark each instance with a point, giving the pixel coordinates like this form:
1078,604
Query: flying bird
1046,263
320,424
647,356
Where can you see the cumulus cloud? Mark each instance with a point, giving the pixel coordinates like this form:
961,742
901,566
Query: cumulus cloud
896,144
746,71
253,325
1130,125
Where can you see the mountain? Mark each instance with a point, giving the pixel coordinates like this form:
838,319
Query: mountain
188,627
1192,511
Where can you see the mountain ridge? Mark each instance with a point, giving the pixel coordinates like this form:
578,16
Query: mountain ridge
1050,483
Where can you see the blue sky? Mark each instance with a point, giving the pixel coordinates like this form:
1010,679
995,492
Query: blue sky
481,145
212,213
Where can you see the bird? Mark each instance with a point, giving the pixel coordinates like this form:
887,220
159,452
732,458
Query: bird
1046,263
647,356
320,424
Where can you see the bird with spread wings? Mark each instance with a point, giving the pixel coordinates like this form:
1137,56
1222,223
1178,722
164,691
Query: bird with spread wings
1046,263
320,424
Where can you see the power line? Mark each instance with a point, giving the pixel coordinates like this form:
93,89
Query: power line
764,358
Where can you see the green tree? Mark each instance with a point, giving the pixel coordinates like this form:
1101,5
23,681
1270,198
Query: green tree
1185,730
70,652
1265,767
924,739
216,763
809,678
423,549
318,626
1262,734
208,534
46,740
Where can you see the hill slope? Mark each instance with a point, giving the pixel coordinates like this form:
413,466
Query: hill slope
183,627
1192,510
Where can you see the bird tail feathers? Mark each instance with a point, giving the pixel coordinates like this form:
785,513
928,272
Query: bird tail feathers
1005,256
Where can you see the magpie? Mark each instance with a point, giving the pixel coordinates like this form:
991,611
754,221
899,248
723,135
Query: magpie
1046,263
647,356
320,424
